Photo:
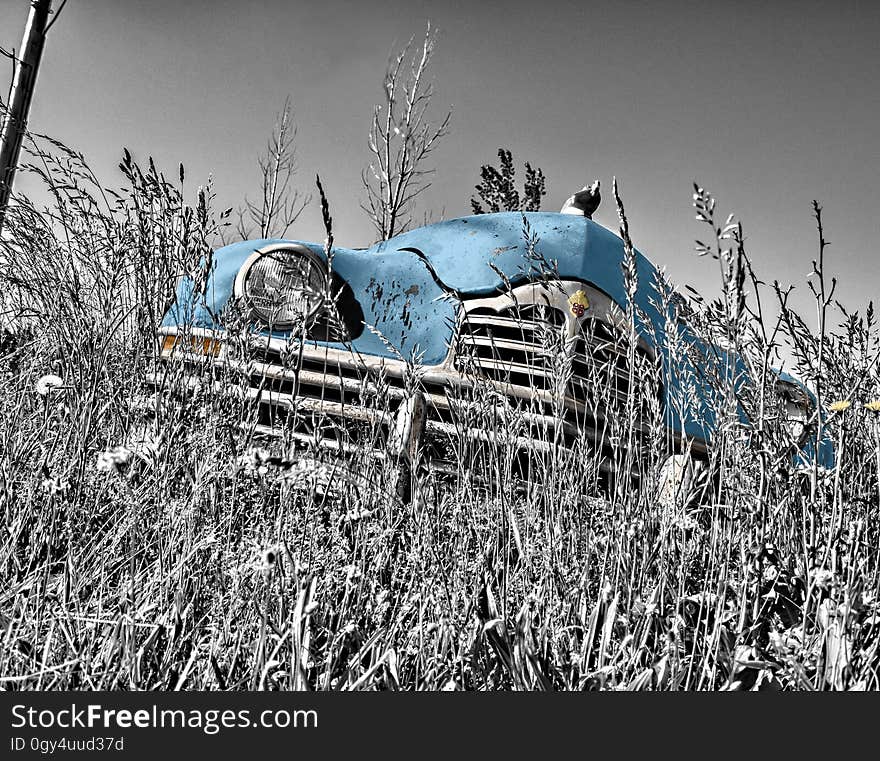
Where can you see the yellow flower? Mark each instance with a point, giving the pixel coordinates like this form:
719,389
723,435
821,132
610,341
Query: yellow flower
873,406
578,303
840,406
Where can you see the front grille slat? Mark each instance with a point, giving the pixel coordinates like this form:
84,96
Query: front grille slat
513,346
473,339
511,366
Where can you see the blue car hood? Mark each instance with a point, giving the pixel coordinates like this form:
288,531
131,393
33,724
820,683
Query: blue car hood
399,294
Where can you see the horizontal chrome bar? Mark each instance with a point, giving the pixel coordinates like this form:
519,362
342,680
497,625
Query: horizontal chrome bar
511,367
305,403
502,321
503,343
525,394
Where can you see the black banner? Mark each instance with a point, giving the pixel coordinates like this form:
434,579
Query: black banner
144,724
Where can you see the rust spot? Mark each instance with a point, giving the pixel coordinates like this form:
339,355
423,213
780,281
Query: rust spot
413,290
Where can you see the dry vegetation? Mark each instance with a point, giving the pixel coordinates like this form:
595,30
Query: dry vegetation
190,560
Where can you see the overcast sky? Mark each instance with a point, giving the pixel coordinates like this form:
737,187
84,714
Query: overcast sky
766,105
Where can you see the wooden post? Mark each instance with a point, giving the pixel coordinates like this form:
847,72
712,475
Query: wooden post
27,64
405,440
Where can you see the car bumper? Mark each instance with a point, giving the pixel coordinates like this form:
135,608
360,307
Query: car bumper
317,396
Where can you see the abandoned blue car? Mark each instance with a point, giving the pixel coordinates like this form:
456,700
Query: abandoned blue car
525,311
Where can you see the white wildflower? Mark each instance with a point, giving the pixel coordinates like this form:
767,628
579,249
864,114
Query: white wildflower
113,459
47,383
53,485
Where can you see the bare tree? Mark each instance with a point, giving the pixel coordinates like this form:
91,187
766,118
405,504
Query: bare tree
280,204
400,140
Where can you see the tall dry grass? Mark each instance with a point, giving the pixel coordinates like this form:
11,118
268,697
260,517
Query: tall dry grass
191,558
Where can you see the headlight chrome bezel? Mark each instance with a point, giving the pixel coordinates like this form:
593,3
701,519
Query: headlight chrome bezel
242,288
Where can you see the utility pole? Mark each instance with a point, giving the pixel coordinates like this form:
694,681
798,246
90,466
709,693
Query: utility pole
20,101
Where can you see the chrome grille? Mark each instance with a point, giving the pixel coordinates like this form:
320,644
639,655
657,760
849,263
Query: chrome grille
527,346
600,365
514,346
543,357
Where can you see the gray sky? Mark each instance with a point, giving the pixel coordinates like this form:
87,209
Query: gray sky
766,105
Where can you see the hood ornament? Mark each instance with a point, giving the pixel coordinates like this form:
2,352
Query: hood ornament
578,303
584,202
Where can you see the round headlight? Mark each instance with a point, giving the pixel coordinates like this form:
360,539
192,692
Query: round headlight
285,286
